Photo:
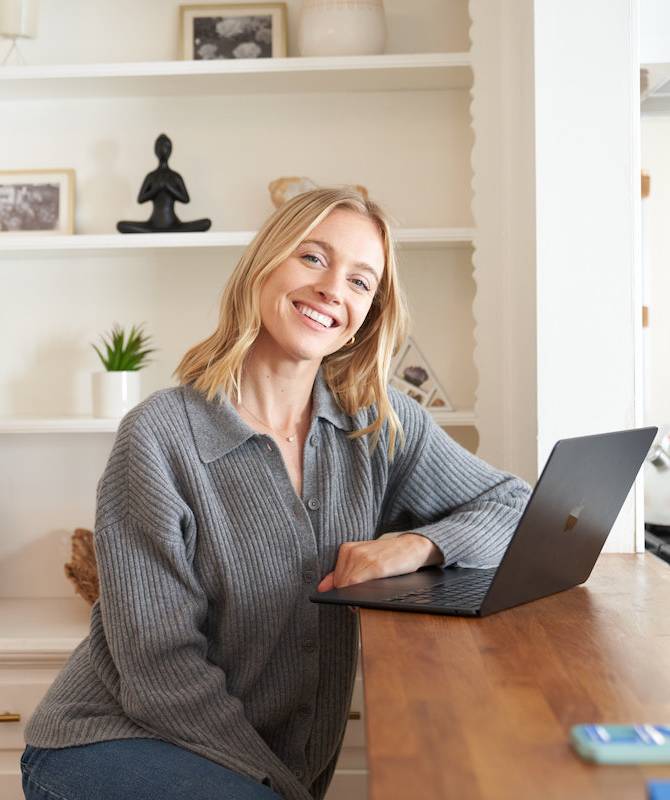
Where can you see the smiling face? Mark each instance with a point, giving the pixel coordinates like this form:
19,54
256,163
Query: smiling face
316,300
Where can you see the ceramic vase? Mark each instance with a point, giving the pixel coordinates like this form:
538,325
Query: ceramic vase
342,28
115,393
18,18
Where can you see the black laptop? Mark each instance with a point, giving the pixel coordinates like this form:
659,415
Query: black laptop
555,545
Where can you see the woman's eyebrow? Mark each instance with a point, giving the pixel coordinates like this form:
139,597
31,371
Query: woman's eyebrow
328,247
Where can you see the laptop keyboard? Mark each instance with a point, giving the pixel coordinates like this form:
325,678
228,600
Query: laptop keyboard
465,592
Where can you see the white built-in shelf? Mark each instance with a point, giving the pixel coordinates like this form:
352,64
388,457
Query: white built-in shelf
93,425
378,73
18,244
41,628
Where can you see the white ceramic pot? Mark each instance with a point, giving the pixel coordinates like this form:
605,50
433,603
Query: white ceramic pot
342,28
18,18
115,393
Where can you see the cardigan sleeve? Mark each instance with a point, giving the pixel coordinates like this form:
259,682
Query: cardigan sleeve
440,490
154,612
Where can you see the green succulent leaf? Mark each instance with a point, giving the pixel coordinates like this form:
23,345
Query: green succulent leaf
124,353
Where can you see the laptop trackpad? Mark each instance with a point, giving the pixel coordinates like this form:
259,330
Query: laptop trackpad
383,588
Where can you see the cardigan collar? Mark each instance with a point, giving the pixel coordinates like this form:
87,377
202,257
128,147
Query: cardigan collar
218,428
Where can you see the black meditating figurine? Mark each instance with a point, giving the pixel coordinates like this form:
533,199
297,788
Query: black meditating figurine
163,187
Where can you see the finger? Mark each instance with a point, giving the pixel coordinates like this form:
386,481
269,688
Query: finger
326,584
342,566
357,570
354,565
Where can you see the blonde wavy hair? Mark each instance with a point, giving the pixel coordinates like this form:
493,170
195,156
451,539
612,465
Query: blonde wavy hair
358,374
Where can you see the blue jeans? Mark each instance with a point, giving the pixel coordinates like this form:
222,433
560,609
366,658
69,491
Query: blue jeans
132,769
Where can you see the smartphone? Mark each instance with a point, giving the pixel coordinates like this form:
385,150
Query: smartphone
658,790
622,744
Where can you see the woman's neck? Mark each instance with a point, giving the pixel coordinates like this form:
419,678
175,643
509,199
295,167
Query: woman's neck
278,393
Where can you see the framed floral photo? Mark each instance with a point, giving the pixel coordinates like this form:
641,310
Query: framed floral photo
232,30
37,201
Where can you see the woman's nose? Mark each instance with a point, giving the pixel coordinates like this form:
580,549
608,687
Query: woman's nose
329,295
330,288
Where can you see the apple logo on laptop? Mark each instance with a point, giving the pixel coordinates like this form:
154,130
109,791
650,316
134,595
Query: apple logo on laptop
573,517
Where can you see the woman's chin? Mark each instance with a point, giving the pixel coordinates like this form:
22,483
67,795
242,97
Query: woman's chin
296,348
298,352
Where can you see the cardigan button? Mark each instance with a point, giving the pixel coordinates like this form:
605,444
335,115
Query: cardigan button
313,440
314,503
309,645
308,576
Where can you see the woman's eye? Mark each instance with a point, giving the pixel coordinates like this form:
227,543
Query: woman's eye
314,260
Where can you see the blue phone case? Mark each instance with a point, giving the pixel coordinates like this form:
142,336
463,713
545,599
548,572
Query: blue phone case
658,790
622,744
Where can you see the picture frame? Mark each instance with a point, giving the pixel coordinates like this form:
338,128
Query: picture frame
219,31
412,374
37,201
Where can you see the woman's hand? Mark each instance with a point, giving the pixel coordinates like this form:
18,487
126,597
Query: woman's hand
380,558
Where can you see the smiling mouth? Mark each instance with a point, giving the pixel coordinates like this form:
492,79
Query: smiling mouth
322,319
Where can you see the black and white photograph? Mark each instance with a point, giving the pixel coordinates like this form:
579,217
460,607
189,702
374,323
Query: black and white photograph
37,202
412,375
233,31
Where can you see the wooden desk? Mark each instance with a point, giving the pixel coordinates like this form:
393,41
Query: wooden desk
480,709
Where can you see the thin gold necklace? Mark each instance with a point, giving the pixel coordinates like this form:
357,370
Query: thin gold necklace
289,437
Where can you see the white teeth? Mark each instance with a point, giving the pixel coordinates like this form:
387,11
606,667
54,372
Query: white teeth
327,322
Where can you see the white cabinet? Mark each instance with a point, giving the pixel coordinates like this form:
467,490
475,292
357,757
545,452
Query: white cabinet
37,636
350,778
21,689
103,85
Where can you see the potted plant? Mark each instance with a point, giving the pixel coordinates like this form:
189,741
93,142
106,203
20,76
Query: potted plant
117,389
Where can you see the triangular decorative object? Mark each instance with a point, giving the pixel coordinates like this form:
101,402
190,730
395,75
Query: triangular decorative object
413,375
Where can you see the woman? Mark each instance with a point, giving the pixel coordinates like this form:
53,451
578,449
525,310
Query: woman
271,470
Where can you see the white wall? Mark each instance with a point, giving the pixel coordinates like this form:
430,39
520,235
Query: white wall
654,31
587,212
656,161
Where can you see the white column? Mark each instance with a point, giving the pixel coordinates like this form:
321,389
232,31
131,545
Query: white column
587,197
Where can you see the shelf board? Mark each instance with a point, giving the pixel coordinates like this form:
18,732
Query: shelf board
42,629
87,243
21,244
378,73
455,419
93,425
434,237
58,425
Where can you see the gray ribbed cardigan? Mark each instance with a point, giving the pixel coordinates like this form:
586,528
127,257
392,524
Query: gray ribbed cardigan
203,634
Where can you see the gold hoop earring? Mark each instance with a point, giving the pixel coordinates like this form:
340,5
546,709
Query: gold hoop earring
351,341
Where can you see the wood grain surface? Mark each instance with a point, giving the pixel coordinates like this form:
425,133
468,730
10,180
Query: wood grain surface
481,708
